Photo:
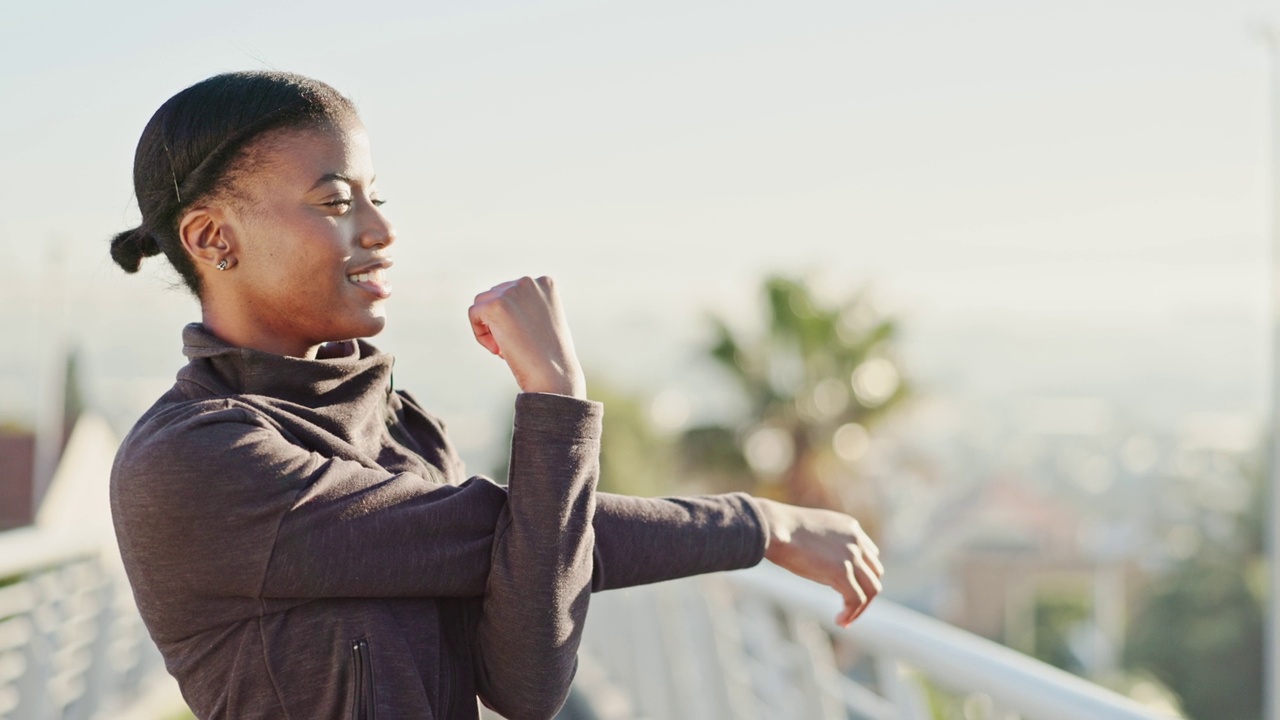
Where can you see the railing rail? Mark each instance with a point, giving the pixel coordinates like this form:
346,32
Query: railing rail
759,644
956,659
30,549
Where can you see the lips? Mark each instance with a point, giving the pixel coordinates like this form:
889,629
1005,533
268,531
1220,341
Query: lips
372,278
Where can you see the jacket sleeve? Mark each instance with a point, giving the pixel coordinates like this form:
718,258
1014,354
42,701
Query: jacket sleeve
539,585
646,540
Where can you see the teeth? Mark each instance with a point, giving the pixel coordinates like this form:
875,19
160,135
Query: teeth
375,276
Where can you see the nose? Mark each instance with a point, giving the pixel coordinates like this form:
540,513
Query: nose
378,230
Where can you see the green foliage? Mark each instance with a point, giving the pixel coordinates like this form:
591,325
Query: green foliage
1201,634
812,369
634,458
1200,630
712,454
1056,616
803,344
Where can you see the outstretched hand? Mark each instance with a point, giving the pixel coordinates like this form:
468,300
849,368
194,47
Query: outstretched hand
827,547
521,321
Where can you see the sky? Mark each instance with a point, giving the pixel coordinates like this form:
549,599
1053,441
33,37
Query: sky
1055,197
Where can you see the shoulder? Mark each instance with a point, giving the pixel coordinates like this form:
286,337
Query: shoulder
178,439
167,423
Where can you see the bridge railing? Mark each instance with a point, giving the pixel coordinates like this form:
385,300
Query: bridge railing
760,644
72,645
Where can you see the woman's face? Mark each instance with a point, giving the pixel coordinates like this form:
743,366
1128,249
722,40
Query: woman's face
311,243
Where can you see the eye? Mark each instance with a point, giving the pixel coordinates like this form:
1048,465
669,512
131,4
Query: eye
340,202
379,202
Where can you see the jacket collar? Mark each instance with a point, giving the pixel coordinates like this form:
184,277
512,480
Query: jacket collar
341,372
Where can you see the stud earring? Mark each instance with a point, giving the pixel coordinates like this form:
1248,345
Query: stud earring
222,264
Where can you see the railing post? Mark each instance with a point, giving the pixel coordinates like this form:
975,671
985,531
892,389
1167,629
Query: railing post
821,675
901,689
724,621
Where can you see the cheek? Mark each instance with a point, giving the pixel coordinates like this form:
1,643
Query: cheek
299,251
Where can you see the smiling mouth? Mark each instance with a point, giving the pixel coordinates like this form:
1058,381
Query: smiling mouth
374,281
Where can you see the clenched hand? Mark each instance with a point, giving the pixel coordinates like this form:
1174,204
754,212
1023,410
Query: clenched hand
521,321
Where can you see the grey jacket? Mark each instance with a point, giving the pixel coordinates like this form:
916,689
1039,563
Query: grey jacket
303,542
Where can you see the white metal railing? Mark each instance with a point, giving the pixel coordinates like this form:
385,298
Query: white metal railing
72,645
761,644
71,642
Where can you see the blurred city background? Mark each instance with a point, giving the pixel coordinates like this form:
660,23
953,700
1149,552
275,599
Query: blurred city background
991,276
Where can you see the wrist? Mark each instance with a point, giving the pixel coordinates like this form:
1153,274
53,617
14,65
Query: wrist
579,392
780,524
570,384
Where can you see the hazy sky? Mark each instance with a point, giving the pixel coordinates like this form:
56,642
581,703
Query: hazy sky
1086,170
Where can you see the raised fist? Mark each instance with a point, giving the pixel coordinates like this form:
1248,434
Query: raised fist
521,321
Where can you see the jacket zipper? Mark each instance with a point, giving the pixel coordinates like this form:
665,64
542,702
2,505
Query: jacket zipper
456,613
362,705
446,689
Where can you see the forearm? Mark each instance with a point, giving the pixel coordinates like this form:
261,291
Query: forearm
646,540
540,574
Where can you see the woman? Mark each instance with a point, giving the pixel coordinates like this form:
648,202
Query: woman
300,536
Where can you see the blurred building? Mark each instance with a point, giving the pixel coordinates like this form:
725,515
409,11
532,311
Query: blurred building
17,484
28,457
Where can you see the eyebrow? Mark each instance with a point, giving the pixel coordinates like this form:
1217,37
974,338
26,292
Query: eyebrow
328,177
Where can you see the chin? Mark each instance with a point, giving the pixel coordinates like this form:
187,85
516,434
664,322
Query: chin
372,326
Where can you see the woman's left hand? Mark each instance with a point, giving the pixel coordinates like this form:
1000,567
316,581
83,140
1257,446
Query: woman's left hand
828,547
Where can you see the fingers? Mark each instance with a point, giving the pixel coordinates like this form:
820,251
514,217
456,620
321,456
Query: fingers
522,322
481,330
480,309
847,615
863,571
868,580
855,594
871,554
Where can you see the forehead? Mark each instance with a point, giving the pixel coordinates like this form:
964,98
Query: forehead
295,157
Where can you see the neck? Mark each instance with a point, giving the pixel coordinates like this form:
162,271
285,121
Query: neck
226,326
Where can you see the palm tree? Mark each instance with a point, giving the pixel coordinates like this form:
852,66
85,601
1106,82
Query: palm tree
815,381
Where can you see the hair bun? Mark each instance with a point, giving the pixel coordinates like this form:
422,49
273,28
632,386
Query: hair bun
129,247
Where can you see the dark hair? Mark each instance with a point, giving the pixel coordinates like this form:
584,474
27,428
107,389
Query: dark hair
197,137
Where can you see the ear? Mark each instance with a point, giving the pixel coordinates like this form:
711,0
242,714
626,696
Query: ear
208,236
